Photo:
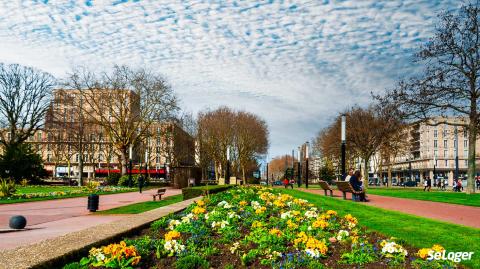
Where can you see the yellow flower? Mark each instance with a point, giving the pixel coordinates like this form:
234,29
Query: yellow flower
278,203
276,232
172,235
200,203
257,224
301,238
331,212
319,223
198,210
291,224
261,210
351,219
437,248
243,203
423,252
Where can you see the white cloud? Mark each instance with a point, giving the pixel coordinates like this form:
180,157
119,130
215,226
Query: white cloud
295,63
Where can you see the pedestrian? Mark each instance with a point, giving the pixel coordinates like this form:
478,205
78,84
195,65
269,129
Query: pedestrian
429,183
425,184
286,183
140,183
478,183
454,186
292,182
459,185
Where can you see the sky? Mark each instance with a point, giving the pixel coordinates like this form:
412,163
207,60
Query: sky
296,64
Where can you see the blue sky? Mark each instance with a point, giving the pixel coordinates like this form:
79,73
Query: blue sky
297,64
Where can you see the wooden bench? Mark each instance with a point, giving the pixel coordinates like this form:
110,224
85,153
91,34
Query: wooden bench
344,187
324,185
159,193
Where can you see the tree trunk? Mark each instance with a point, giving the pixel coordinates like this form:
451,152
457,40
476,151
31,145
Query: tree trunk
243,175
80,168
365,176
389,176
123,162
472,140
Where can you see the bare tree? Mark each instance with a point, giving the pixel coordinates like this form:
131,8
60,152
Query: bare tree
125,103
448,90
250,140
24,100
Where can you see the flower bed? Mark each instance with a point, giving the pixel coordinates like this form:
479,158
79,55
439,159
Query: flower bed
64,193
257,228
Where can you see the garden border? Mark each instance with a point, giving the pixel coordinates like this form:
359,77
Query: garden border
54,252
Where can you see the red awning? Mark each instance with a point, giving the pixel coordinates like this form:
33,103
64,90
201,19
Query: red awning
134,171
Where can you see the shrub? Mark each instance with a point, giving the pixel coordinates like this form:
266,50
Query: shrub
123,181
193,192
7,188
113,179
192,262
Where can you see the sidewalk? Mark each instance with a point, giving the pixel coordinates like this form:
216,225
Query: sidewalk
53,218
458,214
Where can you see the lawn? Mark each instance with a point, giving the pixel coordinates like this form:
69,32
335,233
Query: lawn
43,189
435,196
143,206
416,231
459,198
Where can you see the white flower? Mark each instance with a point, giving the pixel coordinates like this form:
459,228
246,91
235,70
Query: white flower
342,234
172,223
234,247
256,205
312,253
232,215
286,215
311,214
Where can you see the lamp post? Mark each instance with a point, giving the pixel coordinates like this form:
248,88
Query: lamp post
343,146
227,174
146,164
130,164
306,164
267,173
456,152
299,169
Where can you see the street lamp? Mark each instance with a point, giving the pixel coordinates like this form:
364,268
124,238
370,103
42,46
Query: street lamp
299,169
227,174
343,146
306,164
130,164
456,152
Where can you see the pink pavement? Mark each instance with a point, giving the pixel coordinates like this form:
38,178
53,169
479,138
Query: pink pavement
48,219
458,214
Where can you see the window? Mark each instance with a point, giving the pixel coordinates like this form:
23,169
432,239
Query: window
435,153
445,153
100,157
76,157
48,157
446,163
39,136
436,162
465,153
435,144
465,135
445,143
465,143
444,132
48,147
435,133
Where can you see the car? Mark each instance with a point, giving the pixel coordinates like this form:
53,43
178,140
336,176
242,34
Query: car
278,182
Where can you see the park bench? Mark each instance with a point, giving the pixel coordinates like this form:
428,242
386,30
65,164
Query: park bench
344,187
159,193
324,185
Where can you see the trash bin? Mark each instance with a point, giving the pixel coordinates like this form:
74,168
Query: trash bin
93,200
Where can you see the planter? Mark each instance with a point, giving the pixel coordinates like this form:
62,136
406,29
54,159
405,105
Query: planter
93,200
18,222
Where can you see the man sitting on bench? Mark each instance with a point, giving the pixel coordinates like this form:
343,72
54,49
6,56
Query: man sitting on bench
356,182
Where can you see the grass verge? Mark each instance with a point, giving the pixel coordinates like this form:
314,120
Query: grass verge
143,206
417,231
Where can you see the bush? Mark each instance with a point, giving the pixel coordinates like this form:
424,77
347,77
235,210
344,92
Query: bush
123,181
192,262
7,188
113,179
192,192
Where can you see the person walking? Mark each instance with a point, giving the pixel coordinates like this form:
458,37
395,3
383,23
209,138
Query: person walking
141,181
429,183
425,184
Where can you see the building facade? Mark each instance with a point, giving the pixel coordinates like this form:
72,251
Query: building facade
71,132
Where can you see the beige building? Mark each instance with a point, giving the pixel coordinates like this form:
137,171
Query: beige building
432,154
165,146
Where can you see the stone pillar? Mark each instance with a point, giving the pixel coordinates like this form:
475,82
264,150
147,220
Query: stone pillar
450,178
430,174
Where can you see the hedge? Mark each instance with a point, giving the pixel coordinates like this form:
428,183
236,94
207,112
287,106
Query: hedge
192,192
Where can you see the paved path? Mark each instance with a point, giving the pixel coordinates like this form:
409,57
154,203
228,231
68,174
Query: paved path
48,219
459,214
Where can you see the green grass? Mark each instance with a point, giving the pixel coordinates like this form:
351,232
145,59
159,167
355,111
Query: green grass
43,189
144,206
435,196
450,197
416,231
